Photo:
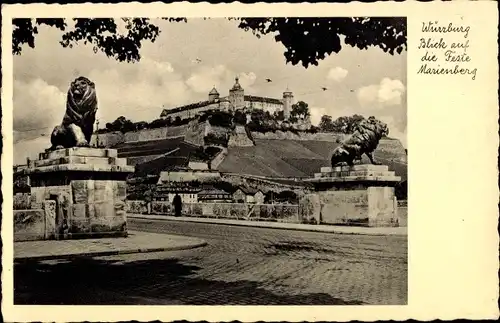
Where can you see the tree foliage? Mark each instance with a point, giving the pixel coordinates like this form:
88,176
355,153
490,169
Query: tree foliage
309,40
120,124
306,40
300,110
344,124
101,33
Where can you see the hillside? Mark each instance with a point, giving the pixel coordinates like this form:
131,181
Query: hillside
273,154
299,158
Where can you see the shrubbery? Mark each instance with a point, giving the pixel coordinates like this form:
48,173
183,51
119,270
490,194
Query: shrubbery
212,139
205,154
221,119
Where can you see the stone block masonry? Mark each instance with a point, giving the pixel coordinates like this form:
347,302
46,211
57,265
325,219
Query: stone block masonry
35,224
360,194
88,188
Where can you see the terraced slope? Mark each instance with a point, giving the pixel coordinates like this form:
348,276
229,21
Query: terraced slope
299,158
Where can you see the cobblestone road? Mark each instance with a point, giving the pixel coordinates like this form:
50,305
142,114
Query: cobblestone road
240,265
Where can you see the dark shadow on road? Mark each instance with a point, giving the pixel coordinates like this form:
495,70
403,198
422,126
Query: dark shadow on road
93,281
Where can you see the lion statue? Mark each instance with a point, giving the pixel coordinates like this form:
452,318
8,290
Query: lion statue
78,122
364,140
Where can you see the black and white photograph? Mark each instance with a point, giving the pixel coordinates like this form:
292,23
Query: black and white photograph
210,161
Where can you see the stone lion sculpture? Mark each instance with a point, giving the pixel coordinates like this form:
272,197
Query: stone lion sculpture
78,122
364,140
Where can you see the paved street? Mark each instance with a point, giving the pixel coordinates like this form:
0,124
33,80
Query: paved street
240,265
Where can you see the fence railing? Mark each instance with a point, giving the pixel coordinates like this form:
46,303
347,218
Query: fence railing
237,211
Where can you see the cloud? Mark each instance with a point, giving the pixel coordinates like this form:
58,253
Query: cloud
247,79
337,74
388,93
206,77
29,148
37,105
396,129
138,91
316,114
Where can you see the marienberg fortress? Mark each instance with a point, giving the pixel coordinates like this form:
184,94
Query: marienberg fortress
236,100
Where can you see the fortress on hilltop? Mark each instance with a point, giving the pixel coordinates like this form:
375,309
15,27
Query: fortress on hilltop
236,100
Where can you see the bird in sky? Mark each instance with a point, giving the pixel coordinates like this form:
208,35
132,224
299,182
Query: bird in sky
324,88
197,60
352,90
269,80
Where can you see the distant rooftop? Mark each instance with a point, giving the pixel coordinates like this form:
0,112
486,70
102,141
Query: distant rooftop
236,86
213,91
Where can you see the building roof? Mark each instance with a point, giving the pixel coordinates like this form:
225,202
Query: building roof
208,193
236,86
249,190
252,98
187,107
169,188
213,91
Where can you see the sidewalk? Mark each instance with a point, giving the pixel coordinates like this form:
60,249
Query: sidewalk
375,231
136,242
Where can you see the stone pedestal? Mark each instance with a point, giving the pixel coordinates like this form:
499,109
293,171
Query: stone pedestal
89,188
356,195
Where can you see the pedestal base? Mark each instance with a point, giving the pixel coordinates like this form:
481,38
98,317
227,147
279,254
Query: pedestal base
88,186
357,195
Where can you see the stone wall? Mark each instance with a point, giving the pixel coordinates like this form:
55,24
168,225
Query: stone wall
266,106
218,159
403,213
146,134
22,201
372,206
239,138
36,224
194,133
236,211
137,207
108,139
198,165
111,139
132,161
188,176
260,183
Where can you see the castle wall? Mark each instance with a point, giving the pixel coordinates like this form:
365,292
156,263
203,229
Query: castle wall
146,134
108,139
239,138
266,106
193,112
188,176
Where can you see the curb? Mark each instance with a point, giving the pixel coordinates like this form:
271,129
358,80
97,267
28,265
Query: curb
112,253
250,224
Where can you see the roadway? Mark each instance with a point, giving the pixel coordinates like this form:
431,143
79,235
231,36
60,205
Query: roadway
240,266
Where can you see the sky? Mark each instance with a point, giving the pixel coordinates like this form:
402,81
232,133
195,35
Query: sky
181,67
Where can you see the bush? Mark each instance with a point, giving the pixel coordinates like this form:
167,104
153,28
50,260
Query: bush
212,139
240,118
221,119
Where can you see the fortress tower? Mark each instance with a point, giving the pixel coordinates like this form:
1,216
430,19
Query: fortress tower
237,96
213,95
287,103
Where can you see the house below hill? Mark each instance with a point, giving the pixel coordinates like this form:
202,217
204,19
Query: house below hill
248,195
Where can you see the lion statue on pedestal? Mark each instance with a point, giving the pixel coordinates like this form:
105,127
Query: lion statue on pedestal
364,140
78,122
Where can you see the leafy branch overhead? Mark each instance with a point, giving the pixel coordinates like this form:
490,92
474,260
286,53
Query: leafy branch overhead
306,40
